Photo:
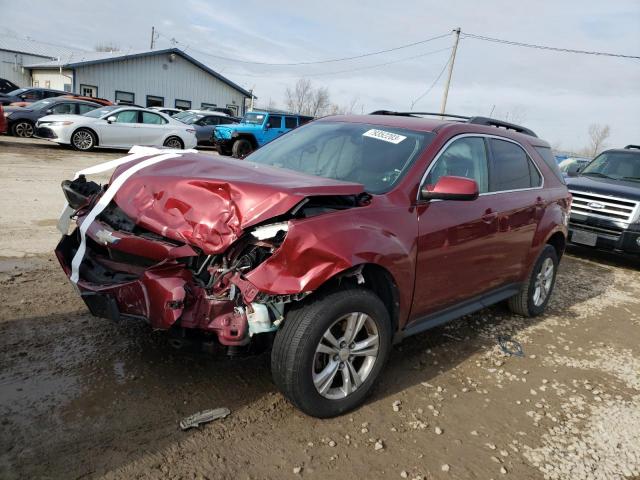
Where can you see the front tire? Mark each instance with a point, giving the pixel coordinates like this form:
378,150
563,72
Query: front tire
23,129
174,142
83,140
330,351
535,293
241,148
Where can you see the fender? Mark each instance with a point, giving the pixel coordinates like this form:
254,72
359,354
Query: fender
317,249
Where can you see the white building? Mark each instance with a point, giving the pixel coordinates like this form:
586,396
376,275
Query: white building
15,53
148,78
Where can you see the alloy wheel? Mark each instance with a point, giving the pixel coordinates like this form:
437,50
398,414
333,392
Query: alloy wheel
82,140
173,143
345,355
24,129
543,282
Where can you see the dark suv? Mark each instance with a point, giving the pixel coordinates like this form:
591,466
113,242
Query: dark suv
331,242
606,201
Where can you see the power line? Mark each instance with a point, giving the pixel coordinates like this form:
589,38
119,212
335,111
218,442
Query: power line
291,64
433,84
546,47
367,67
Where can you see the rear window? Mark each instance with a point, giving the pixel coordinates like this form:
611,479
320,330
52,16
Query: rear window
547,156
512,169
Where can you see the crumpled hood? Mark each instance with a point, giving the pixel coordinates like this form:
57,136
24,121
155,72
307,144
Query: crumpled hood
208,201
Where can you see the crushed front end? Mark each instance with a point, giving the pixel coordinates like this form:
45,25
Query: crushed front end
184,262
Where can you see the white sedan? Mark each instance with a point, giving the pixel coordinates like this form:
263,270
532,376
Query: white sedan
116,126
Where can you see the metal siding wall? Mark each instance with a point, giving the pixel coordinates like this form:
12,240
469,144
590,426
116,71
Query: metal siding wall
146,76
8,70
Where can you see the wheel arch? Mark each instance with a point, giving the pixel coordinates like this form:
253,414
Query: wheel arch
557,240
247,136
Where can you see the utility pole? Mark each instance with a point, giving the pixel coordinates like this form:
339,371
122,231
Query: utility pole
443,107
153,36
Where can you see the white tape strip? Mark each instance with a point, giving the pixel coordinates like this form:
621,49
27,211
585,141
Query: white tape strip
110,193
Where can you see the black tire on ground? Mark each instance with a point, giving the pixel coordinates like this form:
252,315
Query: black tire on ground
83,139
241,148
294,357
524,303
174,142
23,128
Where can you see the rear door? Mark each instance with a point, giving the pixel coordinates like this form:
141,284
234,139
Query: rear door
516,191
205,126
152,129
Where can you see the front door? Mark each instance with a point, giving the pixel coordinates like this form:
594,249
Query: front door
123,132
273,128
152,129
457,254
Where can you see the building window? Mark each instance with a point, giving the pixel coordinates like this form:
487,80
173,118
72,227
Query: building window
183,104
233,108
36,83
67,87
208,106
125,98
88,90
153,101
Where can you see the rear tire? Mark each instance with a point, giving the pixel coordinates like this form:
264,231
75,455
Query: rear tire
83,140
241,148
174,142
23,129
535,293
320,366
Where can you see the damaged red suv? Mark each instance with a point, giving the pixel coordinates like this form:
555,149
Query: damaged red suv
327,245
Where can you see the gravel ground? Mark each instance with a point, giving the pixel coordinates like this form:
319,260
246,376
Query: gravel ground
82,397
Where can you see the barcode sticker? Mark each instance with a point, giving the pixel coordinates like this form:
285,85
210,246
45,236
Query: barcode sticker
384,136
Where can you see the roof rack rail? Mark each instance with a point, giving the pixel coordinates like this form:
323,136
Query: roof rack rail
492,122
415,114
635,147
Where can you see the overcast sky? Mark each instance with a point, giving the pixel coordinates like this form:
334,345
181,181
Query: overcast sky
556,94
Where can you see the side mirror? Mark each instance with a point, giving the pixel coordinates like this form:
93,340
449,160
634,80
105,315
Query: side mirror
49,111
451,188
267,126
573,170
111,119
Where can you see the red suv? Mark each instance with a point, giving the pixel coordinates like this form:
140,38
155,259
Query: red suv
328,244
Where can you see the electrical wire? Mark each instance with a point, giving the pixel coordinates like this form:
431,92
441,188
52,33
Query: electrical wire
315,62
433,84
545,47
367,67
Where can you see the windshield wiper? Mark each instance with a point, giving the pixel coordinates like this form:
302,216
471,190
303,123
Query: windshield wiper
633,179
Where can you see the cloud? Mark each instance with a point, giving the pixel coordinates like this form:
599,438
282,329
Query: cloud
558,94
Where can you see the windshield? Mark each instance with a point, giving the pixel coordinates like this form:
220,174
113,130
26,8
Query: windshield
375,156
254,118
190,119
616,165
17,92
99,112
182,115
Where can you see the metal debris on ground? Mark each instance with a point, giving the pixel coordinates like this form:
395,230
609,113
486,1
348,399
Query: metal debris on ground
204,416
510,346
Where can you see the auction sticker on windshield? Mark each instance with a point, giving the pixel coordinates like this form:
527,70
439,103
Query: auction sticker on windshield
385,136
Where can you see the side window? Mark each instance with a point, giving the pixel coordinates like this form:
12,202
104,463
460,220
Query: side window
84,108
63,108
127,116
547,156
465,157
512,169
152,118
290,122
32,95
275,121
211,120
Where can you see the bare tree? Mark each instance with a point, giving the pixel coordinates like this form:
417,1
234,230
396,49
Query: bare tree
298,98
598,135
107,47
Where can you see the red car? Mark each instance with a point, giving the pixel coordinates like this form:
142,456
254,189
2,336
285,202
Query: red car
3,121
333,242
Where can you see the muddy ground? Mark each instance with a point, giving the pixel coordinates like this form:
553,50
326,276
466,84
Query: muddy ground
82,397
